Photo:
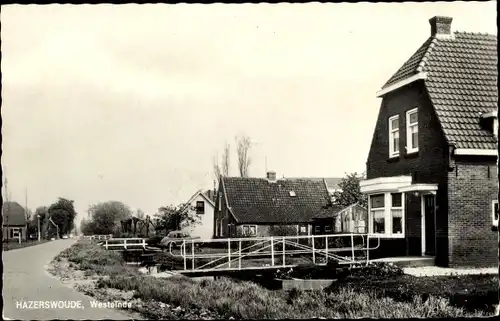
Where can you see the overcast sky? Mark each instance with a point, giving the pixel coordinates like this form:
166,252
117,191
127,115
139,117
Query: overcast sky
131,102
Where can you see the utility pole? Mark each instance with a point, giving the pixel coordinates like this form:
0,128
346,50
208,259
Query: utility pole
6,216
26,207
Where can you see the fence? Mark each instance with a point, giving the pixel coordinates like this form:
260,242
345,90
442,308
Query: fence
269,252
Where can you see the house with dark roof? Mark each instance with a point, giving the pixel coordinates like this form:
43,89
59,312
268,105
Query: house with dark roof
14,221
432,166
248,206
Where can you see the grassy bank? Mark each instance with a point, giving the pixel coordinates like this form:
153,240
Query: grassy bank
181,297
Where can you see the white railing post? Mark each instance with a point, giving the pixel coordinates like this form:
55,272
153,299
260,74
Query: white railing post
272,251
183,251
239,252
229,253
192,254
125,244
144,243
352,245
313,249
326,248
367,249
284,251
106,244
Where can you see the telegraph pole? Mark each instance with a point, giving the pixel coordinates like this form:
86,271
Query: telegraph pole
6,216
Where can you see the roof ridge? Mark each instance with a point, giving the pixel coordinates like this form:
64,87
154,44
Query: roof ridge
476,33
426,55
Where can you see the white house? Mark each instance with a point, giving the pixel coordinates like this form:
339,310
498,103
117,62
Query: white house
203,208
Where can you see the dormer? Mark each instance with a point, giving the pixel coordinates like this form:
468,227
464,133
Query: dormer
489,121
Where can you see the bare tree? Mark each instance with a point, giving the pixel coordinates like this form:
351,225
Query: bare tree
226,160
243,144
216,168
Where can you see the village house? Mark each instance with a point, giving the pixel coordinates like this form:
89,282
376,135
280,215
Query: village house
202,207
432,166
270,207
14,221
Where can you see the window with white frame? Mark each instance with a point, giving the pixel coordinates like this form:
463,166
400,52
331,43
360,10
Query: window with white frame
14,232
394,136
412,131
386,214
249,230
397,213
494,212
377,211
317,229
328,228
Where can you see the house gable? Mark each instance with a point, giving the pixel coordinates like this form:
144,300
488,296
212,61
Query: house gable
13,214
461,80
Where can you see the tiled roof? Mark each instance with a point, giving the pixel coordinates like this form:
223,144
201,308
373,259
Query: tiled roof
461,82
256,200
331,182
13,214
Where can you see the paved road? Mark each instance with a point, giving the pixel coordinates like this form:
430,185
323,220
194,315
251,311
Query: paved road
25,279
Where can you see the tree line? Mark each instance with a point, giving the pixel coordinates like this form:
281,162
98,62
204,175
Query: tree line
59,217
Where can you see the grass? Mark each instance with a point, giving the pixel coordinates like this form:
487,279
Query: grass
226,298
14,245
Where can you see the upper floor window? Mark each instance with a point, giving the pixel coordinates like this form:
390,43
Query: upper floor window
200,207
412,131
394,136
494,213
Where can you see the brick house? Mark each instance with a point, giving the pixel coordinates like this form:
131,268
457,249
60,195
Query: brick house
14,221
247,206
432,166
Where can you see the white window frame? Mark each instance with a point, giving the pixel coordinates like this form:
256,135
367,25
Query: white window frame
392,133
387,216
16,232
317,229
495,222
328,228
402,214
409,148
248,227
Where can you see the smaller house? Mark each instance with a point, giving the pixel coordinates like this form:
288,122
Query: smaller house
203,208
249,206
14,221
350,219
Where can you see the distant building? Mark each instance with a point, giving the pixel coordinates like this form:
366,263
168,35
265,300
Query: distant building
250,206
203,208
14,221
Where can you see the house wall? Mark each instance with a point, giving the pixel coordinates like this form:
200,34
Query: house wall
204,228
472,187
428,165
6,232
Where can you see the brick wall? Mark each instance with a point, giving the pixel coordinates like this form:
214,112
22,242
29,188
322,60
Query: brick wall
472,187
429,165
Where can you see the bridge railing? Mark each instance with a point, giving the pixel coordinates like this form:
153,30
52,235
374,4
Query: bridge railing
124,243
96,237
283,251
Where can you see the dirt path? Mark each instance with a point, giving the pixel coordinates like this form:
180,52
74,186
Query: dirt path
26,281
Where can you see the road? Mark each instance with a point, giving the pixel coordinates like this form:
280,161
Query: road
26,280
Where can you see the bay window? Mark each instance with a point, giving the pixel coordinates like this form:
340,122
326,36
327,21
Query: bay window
377,211
386,214
397,213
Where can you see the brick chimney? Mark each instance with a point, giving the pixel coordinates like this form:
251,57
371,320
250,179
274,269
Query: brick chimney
440,26
271,176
